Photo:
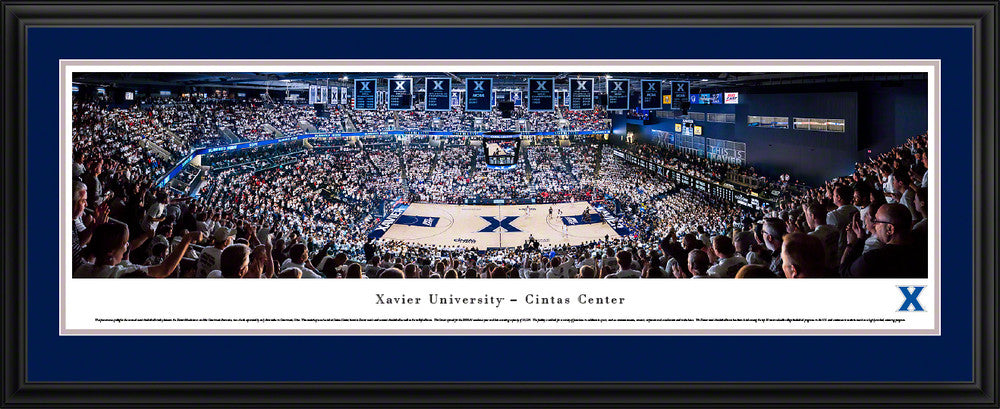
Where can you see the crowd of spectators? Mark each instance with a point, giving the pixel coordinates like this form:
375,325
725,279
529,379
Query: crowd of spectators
551,177
590,120
115,136
306,213
448,181
179,125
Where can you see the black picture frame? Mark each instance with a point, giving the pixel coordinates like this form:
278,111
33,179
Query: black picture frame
18,16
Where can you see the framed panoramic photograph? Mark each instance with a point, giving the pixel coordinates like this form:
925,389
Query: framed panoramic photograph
499,205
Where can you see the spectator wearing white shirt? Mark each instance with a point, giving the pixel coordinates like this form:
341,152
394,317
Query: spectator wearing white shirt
904,195
625,266
211,257
556,269
109,247
155,212
534,272
729,262
843,197
827,234
235,261
697,264
298,257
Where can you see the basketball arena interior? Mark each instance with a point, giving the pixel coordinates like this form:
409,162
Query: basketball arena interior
484,175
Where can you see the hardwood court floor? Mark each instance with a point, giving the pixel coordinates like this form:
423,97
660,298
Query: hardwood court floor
495,226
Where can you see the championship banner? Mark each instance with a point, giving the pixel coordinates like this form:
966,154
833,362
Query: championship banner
313,94
581,94
651,91
618,92
503,95
456,98
334,95
343,95
478,93
400,94
540,94
516,97
679,93
438,94
323,95
364,95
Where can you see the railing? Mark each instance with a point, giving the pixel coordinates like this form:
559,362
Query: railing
158,150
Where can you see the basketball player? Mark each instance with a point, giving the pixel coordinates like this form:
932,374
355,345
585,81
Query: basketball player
565,231
550,213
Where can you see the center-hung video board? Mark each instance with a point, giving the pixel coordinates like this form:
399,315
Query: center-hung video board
501,148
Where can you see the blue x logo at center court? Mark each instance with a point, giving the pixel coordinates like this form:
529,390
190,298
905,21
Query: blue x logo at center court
495,224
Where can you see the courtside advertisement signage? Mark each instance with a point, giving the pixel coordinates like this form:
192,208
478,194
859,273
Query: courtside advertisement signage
523,307
732,97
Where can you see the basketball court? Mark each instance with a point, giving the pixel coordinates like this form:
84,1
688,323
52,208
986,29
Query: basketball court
489,226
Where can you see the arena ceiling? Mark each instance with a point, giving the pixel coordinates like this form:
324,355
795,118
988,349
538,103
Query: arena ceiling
297,80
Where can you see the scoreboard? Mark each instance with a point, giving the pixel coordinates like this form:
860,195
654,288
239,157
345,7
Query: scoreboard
501,149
